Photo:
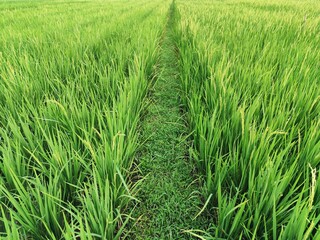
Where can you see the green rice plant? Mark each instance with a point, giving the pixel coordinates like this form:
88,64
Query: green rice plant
249,71
74,77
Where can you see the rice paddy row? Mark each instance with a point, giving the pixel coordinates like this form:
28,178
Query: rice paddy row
74,76
250,71
227,90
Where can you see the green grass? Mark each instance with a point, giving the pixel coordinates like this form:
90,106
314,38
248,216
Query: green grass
169,199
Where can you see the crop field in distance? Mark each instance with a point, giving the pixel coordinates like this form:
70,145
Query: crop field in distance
159,119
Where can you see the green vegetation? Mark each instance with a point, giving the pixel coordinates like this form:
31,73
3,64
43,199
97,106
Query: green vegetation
73,78
145,120
250,72
168,192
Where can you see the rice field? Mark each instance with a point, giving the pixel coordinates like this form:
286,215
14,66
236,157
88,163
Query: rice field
250,71
159,119
73,79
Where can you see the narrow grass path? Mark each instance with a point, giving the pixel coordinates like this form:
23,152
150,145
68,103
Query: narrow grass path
168,200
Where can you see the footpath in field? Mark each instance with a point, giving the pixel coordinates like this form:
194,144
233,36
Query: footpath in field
168,194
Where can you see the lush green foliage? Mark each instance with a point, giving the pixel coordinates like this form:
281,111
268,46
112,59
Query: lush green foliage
73,77
250,71
168,193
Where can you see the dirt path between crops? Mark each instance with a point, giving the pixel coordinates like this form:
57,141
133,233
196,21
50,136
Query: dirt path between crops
168,194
